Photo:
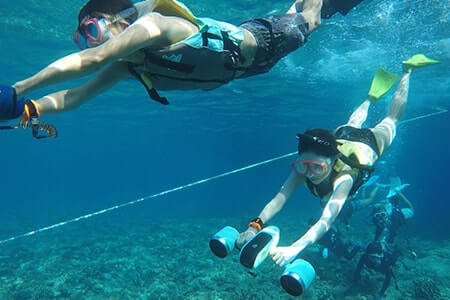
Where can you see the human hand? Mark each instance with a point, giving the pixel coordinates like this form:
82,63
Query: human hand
285,255
245,236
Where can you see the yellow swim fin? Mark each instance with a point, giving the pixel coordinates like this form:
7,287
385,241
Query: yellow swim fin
417,61
381,84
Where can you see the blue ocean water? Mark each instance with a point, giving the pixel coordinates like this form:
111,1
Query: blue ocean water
122,146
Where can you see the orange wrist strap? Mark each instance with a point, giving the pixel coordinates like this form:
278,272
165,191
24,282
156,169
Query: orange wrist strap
257,223
31,110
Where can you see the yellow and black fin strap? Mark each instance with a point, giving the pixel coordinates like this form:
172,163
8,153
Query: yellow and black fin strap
147,83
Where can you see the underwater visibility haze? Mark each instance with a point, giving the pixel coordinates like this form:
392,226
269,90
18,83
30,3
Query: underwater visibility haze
121,146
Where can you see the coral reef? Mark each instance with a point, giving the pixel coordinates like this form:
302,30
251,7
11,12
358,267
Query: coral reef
167,259
426,289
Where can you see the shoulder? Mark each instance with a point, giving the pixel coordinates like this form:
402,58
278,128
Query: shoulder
343,177
144,7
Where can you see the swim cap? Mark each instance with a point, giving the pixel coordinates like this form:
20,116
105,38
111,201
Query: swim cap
319,141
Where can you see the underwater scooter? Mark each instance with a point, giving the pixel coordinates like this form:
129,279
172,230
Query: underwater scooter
297,276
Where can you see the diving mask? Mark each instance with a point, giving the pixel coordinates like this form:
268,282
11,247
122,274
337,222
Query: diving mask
380,219
94,31
376,258
310,167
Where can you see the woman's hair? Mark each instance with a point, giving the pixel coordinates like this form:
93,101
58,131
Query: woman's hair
96,8
319,141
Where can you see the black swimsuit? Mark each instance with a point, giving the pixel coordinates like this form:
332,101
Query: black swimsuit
276,37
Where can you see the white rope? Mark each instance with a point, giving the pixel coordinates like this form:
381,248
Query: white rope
90,215
87,216
439,110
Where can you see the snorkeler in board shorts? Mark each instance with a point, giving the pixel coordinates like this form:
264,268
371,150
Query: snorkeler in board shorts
165,47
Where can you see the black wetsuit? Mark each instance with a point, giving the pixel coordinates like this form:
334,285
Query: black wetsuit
382,265
333,241
395,219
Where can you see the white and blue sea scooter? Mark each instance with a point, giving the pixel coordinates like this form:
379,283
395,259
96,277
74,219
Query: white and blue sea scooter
296,278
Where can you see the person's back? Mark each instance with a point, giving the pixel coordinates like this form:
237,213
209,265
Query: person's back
220,52
163,45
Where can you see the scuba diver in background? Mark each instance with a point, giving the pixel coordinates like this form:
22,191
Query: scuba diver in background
332,241
389,215
381,258
162,44
359,201
333,165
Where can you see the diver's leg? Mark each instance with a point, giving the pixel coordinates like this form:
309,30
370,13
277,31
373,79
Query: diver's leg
398,103
359,116
385,131
310,10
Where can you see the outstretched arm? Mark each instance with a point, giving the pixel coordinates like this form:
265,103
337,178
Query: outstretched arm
149,30
367,201
405,200
90,60
70,99
342,187
277,203
273,207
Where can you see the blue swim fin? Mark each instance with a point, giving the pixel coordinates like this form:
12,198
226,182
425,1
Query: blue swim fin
396,186
10,106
